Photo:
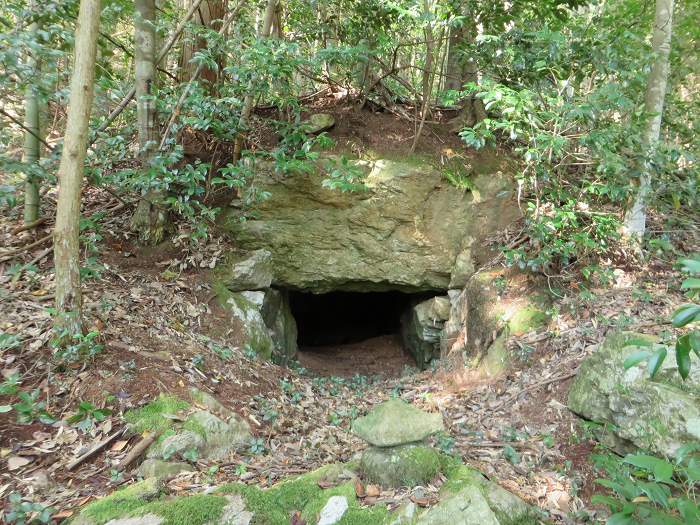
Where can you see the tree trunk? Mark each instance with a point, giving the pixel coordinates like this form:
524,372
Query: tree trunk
635,218
209,14
249,100
70,171
145,77
32,138
463,69
149,219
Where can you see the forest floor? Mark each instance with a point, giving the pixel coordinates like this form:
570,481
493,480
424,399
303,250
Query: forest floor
161,331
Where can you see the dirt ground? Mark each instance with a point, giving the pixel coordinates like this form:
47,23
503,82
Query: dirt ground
382,356
160,331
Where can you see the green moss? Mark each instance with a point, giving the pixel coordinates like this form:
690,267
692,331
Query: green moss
407,465
190,510
151,416
459,476
195,427
274,505
527,318
355,515
122,501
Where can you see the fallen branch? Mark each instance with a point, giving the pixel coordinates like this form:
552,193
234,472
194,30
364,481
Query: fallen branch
95,449
29,226
6,256
138,449
535,386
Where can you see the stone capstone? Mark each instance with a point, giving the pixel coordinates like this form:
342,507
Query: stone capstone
405,232
396,422
246,271
421,329
659,415
400,466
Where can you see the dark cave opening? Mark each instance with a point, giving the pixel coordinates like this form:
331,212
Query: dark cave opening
344,318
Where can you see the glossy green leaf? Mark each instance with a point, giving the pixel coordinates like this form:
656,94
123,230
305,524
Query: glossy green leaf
662,470
686,314
683,355
656,360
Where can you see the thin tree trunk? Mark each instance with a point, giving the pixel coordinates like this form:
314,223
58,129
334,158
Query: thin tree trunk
209,14
149,218
635,218
70,171
431,53
249,100
461,70
32,138
145,77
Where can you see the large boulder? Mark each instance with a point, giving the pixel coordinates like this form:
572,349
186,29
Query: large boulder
266,320
396,422
407,231
659,415
246,307
493,305
421,328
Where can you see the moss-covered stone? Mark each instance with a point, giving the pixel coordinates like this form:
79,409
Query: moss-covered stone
401,466
468,498
159,469
153,416
238,504
484,315
660,415
121,503
395,422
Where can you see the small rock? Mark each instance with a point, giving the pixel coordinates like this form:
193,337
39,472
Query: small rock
405,465
157,468
333,511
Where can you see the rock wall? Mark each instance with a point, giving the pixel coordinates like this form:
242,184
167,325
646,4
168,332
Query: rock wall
411,230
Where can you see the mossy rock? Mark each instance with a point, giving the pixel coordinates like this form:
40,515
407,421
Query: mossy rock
240,504
156,416
659,415
468,498
395,422
159,469
485,314
402,466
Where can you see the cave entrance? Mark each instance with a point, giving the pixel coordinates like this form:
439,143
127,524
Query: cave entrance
348,333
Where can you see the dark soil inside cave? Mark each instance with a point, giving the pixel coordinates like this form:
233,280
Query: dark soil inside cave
383,355
348,333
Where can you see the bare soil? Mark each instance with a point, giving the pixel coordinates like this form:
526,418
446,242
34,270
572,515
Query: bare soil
382,356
